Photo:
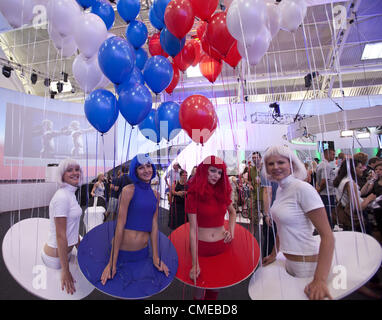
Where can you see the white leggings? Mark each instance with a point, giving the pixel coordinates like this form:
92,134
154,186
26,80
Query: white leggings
52,262
300,269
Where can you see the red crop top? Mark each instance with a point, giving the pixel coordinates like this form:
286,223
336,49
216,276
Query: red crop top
210,213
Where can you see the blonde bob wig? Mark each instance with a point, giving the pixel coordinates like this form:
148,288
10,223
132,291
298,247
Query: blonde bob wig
297,167
63,166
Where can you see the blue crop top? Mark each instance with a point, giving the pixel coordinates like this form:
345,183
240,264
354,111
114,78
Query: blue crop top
141,208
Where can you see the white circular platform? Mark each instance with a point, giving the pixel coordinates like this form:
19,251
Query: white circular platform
93,217
356,259
22,247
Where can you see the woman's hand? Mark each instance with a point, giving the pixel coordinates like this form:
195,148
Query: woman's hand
317,290
67,282
269,259
108,274
194,272
227,236
161,266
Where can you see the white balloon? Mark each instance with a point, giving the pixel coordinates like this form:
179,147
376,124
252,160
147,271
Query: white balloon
65,45
17,12
245,18
257,50
90,32
62,14
273,17
86,72
292,14
104,83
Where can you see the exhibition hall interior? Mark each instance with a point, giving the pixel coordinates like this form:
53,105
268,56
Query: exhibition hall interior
191,149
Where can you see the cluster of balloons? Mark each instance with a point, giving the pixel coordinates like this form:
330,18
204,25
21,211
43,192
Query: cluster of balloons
253,23
126,64
174,19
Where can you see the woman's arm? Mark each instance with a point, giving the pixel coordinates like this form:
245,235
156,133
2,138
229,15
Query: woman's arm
357,200
232,223
272,257
62,251
124,201
93,190
195,270
317,289
158,263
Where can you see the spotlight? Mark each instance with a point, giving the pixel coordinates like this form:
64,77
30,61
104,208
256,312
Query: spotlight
33,78
65,76
308,78
7,71
60,86
47,82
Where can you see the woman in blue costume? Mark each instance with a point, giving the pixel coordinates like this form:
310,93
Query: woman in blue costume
137,220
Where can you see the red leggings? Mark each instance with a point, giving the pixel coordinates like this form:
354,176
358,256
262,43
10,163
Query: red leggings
206,249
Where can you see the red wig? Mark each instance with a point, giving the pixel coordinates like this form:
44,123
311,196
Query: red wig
200,186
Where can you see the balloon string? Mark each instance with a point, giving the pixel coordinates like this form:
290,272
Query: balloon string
123,144
128,146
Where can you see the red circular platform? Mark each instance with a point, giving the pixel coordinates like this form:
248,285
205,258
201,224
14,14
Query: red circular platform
220,271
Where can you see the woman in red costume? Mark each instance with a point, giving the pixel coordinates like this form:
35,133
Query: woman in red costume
208,199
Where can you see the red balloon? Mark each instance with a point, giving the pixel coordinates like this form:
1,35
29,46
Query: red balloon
208,49
198,52
155,47
218,35
175,79
201,29
186,57
198,118
203,9
210,68
179,17
233,57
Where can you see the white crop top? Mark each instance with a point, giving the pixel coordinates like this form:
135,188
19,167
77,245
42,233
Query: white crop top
294,198
64,204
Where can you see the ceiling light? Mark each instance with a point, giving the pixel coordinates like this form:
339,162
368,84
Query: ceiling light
193,72
346,133
372,51
60,86
7,71
33,78
363,135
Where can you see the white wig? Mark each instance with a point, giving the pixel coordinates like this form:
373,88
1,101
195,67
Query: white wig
63,166
297,167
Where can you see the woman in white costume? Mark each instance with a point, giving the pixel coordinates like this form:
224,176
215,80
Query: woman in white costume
297,211
64,215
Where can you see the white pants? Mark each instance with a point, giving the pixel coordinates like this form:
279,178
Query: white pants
300,269
52,262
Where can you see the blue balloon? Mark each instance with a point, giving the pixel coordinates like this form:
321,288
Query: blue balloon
135,103
86,3
160,7
141,57
149,127
136,76
158,73
101,109
171,44
116,58
105,11
154,20
168,116
137,33
128,9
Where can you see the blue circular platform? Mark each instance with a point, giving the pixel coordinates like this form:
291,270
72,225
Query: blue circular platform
134,279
